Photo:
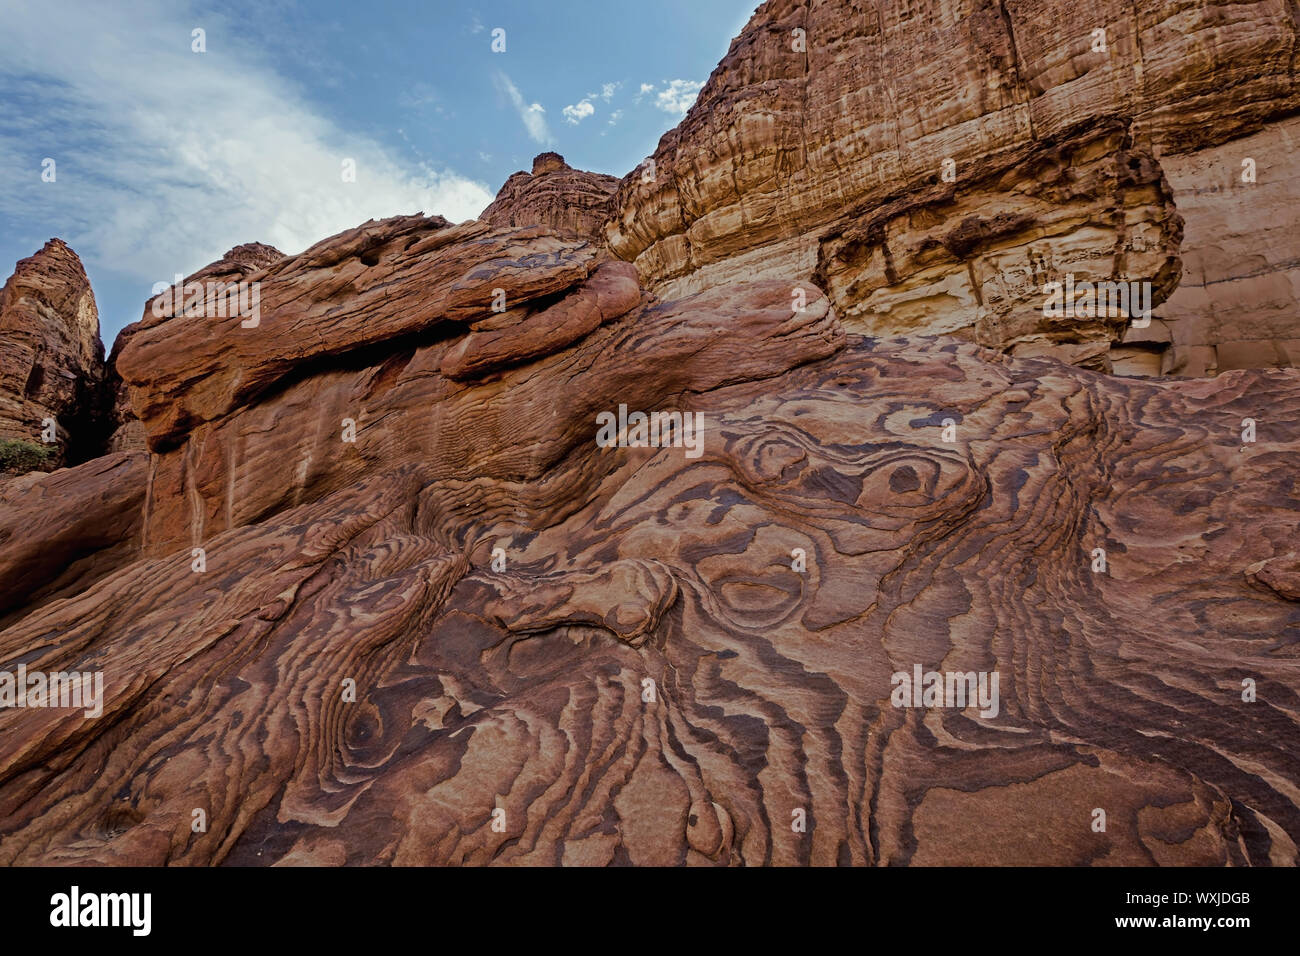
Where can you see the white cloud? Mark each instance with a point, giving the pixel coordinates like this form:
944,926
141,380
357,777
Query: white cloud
164,167
607,90
532,114
578,112
677,96
646,88
476,25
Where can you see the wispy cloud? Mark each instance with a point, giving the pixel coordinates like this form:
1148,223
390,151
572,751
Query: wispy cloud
575,113
578,112
677,96
160,170
532,114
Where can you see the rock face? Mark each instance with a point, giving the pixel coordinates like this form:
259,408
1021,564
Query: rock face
51,359
763,525
408,586
125,431
935,164
341,324
241,264
61,532
1235,305
554,195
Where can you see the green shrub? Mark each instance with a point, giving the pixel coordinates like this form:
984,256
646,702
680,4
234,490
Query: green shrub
18,455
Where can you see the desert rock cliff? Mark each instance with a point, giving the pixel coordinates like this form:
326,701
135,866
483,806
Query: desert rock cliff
554,195
748,511
51,359
933,164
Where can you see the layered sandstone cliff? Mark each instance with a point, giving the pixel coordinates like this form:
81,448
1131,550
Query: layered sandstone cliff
243,263
554,195
371,578
933,165
379,593
51,359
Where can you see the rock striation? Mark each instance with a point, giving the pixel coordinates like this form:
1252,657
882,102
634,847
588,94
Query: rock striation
388,596
554,195
932,162
243,263
770,522
51,359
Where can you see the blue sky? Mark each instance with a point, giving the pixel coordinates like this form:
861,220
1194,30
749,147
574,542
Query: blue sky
165,157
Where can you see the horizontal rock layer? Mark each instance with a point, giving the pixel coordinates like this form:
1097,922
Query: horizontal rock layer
237,265
822,112
380,281
974,257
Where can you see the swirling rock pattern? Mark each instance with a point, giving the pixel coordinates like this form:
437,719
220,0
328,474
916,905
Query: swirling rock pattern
477,635
626,526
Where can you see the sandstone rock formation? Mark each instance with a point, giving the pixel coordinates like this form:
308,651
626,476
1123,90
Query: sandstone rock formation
554,195
933,161
51,359
61,532
391,601
616,529
240,264
1235,305
125,433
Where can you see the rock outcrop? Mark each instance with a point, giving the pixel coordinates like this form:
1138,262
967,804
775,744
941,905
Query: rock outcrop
61,532
763,524
935,164
556,196
51,359
408,586
241,264
1236,301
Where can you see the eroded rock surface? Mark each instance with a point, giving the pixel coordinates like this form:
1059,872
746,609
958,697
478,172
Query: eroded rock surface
554,195
918,117
384,569
464,631
243,263
62,531
51,359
